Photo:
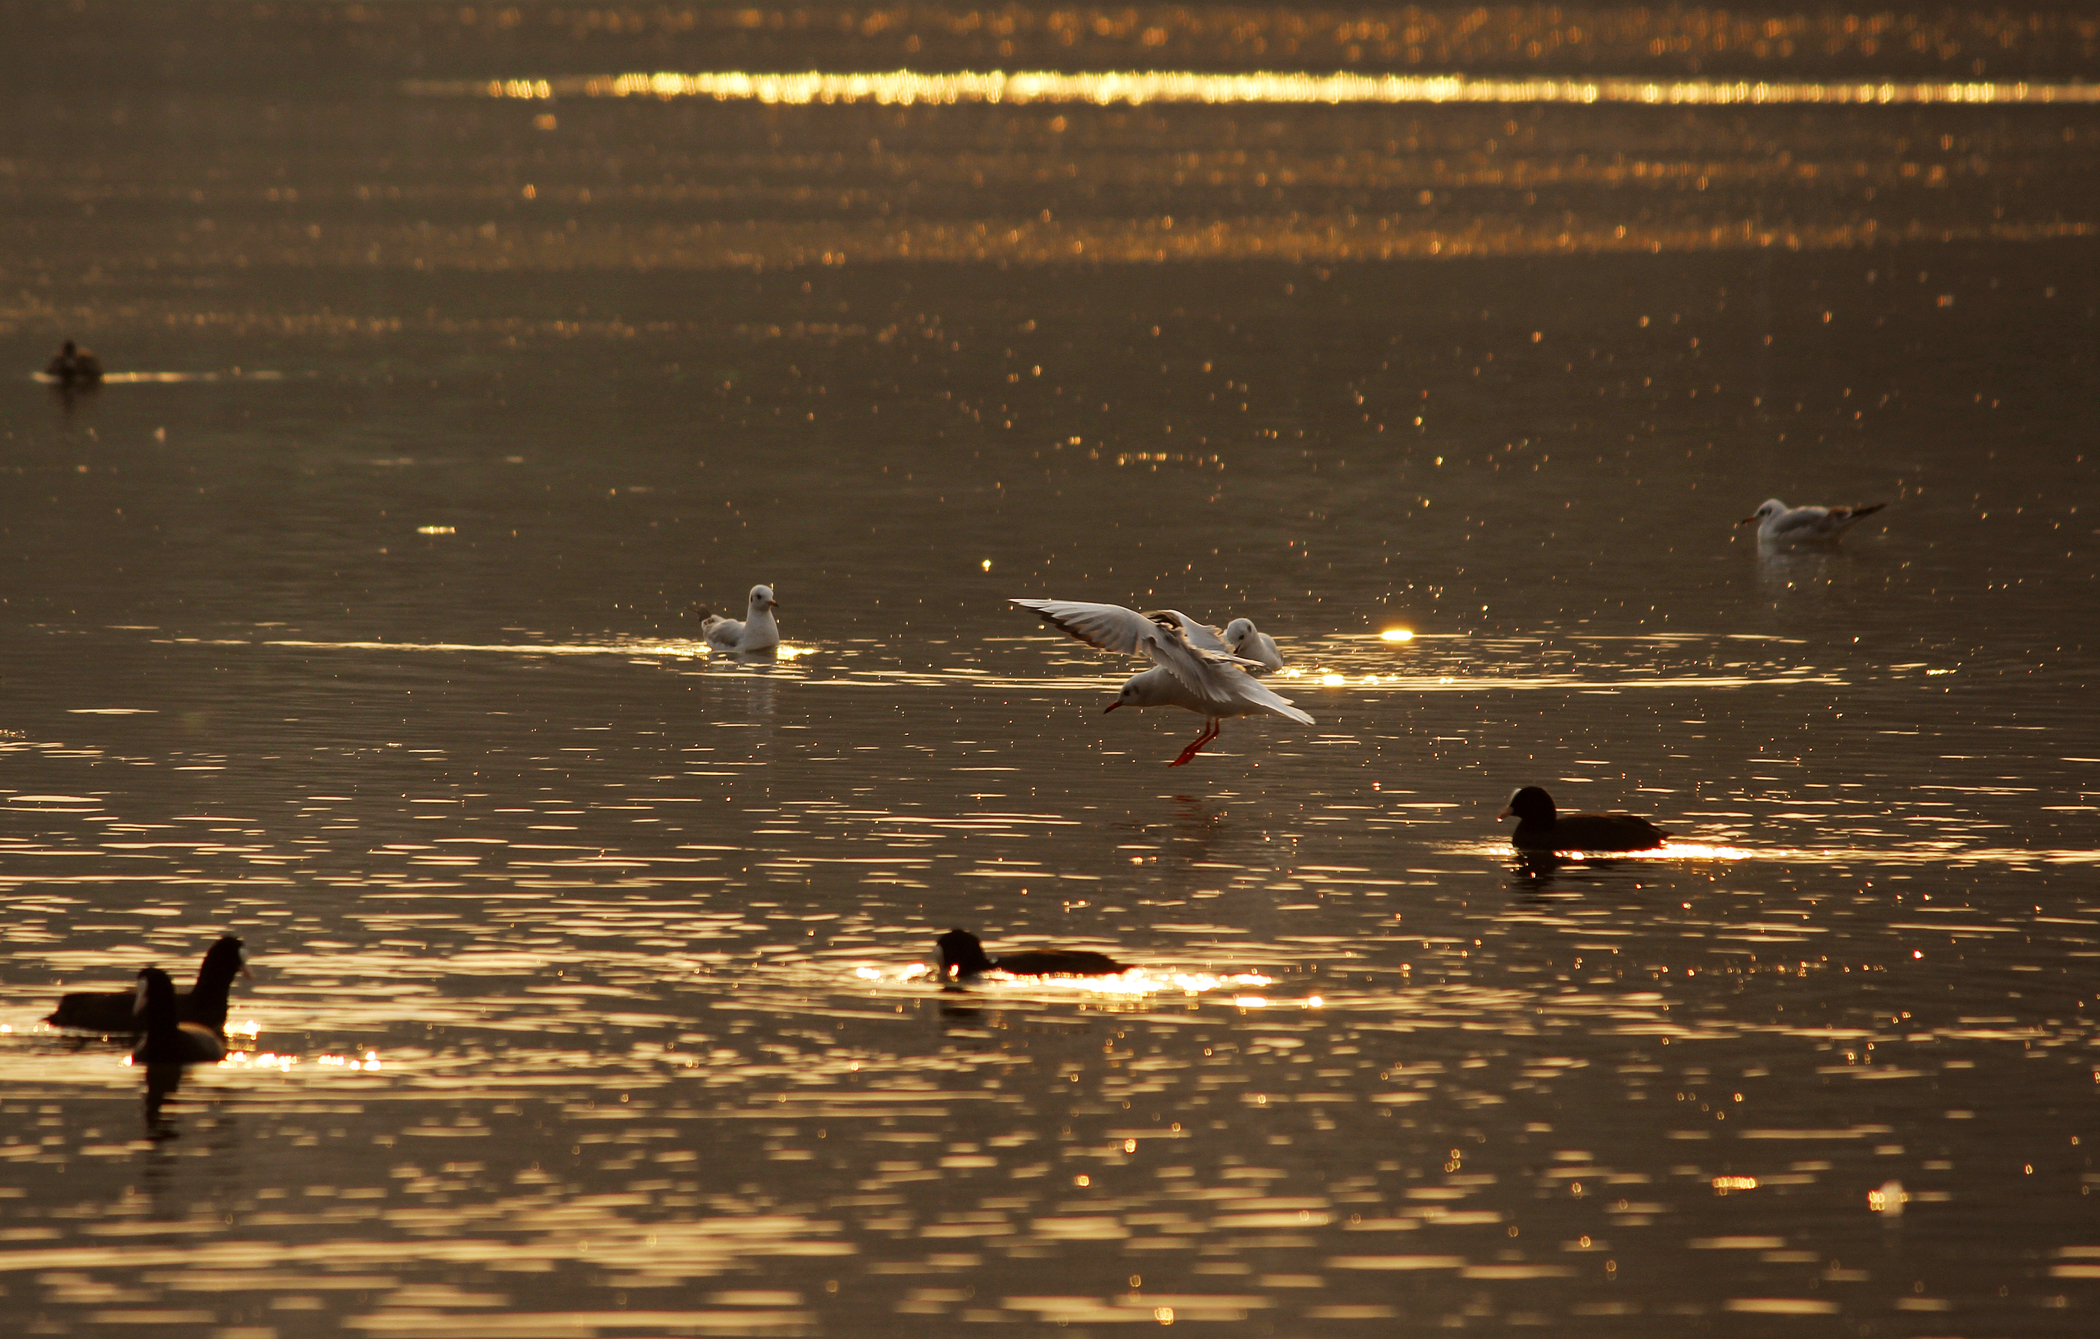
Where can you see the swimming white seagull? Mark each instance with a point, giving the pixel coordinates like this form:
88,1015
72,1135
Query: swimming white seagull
1248,642
1213,684
756,631
1777,523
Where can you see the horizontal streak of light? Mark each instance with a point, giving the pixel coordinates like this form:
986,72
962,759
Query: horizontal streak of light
1897,854
170,378
904,87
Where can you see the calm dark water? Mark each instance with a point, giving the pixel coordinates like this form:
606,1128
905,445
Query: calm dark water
352,618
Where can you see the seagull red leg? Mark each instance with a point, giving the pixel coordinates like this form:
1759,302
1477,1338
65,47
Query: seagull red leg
1210,732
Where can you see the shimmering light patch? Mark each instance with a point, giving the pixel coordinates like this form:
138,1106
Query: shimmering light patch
171,378
671,648
435,530
1396,635
1675,851
260,1060
1267,87
1135,981
1724,1184
370,1060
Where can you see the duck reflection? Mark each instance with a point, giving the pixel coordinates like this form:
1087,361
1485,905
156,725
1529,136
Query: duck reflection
1534,871
162,1082
1538,873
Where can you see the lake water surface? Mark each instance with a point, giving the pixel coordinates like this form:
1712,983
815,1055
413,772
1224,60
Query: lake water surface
589,989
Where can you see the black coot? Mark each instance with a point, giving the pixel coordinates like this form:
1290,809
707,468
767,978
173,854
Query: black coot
1542,827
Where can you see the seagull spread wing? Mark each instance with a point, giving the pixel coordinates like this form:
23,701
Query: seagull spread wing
1200,635
1111,627
1254,690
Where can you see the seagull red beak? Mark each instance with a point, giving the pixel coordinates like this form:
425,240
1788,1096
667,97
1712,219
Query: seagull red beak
1504,814
1110,707
1747,520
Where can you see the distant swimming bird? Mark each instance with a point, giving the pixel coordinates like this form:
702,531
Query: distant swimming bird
1248,642
1777,523
1542,827
1213,684
962,956
74,366
756,631
115,1011
169,1040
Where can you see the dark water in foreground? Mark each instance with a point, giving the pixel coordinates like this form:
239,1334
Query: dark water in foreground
587,1001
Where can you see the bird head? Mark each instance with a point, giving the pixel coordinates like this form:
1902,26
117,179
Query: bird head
1530,804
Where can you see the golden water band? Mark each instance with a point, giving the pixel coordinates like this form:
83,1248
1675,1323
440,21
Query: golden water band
905,88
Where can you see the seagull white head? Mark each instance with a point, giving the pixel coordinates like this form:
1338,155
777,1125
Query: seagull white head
1143,690
1771,506
762,599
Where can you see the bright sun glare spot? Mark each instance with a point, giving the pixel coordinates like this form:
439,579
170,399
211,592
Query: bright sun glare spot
1727,1183
1334,680
1397,635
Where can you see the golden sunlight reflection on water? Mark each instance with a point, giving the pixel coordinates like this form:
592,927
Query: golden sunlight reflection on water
1137,87
590,988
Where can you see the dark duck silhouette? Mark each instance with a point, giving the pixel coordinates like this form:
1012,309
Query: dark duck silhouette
116,1011
170,1040
1542,827
74,366
962,956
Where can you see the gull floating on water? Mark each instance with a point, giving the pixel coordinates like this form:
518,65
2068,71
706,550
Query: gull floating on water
1239,638
1250,643
1214,684
1777,523
756,631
